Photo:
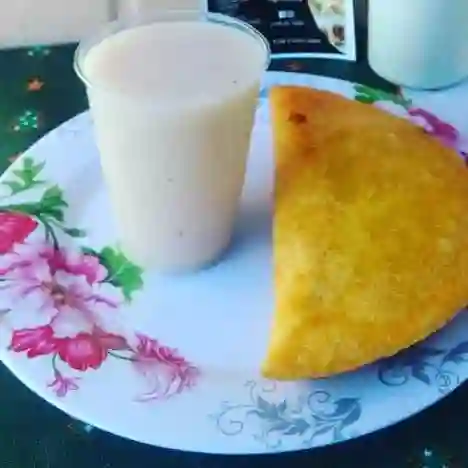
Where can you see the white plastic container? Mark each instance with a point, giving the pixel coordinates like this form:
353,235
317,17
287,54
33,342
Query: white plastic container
419,43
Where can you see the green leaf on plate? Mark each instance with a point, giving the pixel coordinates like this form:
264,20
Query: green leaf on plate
25,177
364,99
14,186
369,95
53,197
121,272
90,251
73,232
52,203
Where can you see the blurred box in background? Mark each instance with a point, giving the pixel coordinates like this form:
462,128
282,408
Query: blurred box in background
311,28
128,8
25,22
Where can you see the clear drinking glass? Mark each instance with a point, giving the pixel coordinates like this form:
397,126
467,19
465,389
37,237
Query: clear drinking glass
173,98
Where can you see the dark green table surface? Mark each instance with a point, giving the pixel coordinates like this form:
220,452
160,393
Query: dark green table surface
38,91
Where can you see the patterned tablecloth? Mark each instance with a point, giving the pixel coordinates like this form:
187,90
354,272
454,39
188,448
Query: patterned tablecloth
38,91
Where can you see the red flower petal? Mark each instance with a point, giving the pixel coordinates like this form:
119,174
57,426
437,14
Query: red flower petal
82,352
36,341
14,229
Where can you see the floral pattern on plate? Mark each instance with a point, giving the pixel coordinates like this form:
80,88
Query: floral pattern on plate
310,416
428,365
75,294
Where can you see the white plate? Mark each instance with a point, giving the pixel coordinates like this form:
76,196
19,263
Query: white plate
174,362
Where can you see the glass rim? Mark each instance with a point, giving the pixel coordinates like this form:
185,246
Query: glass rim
116,26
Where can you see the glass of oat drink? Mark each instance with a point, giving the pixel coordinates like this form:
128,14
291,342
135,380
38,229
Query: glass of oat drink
173,99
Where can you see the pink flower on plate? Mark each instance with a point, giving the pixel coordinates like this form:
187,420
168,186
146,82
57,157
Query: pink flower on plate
166,372
74,308
14,229
60,283
62,385
76,264
431,124
444,132
89,350
35,341
80,352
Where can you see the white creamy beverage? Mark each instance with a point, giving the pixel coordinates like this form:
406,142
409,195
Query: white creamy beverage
173,106
419,43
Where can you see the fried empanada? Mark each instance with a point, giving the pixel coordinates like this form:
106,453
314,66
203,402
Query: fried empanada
370,234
